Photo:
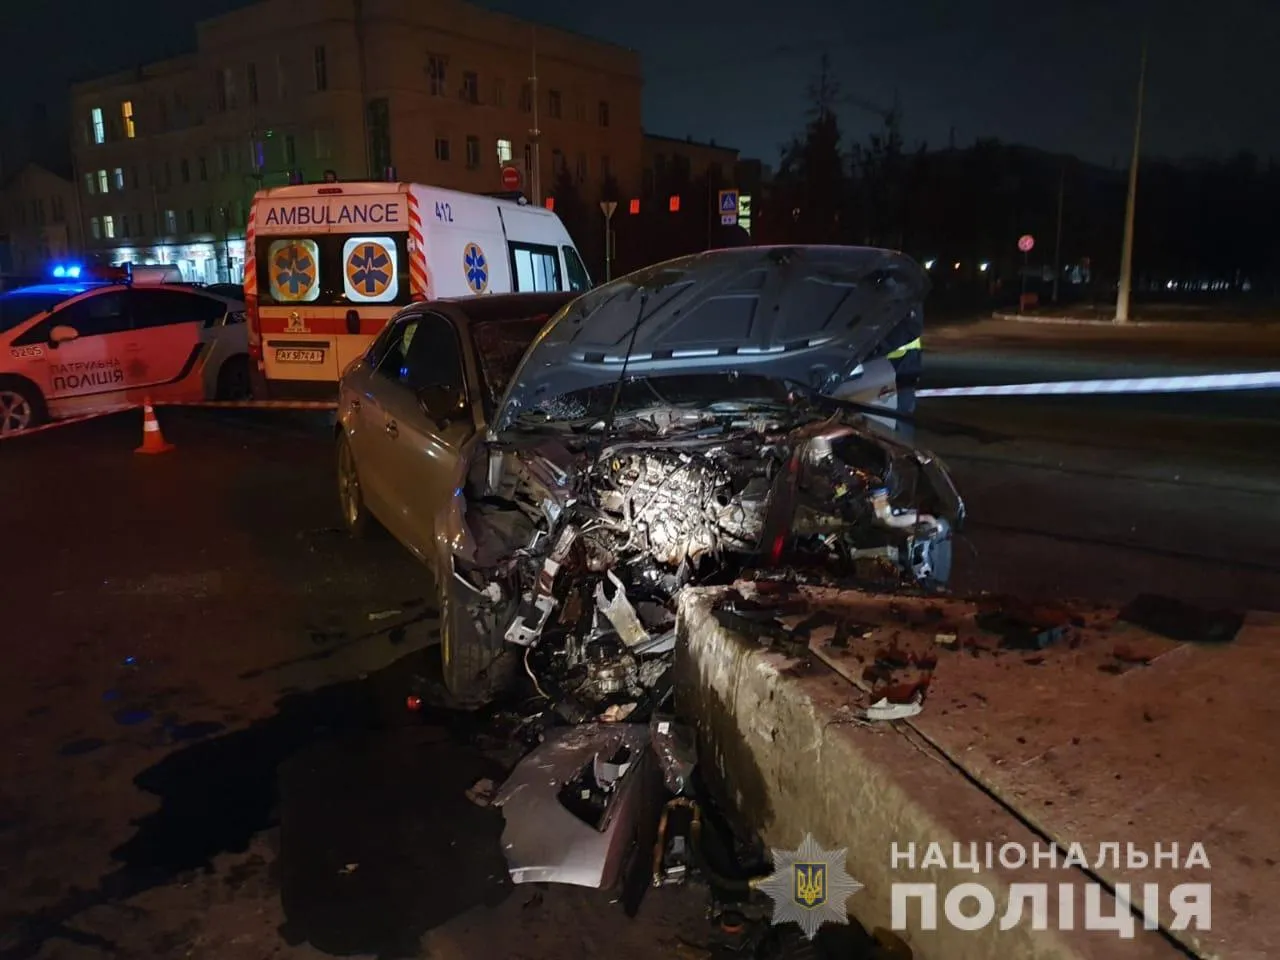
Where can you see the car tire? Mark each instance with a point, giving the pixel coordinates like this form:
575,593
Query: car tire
478,663
355,515
22,406
233,379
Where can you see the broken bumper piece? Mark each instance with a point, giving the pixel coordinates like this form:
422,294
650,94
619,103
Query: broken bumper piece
574,805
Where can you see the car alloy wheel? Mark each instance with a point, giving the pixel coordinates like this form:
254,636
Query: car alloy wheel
16,412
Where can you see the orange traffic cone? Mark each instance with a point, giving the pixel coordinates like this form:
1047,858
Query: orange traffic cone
153,440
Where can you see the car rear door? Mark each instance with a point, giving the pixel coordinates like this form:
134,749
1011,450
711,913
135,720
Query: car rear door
168,345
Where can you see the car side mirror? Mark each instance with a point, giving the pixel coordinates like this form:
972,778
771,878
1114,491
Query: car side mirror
442,403
62,334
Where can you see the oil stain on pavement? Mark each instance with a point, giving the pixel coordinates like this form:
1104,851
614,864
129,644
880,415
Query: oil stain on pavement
378,843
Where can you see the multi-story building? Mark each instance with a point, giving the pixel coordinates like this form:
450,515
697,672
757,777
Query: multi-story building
168,156
38,221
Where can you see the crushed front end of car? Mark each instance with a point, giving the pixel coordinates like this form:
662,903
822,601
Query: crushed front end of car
580,541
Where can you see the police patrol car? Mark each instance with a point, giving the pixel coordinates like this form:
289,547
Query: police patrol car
109,340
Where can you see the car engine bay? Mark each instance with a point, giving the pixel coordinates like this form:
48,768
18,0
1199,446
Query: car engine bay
590,539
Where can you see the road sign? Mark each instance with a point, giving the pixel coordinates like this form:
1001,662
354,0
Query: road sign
511,178
1026,242
728,207
607,207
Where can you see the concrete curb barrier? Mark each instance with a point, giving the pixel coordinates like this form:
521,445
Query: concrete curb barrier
779,743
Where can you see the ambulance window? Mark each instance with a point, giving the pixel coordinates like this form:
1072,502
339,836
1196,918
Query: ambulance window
161,308
536,268
579,279
293,270
93,316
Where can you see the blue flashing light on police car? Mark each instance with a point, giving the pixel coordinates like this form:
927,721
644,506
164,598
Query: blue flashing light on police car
67,271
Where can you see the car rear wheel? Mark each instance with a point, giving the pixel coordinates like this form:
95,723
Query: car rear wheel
233,379
479,665
21,407
355,515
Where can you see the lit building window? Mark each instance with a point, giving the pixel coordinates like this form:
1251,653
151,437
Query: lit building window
170,221
99,126
103,185
109,227
95,228
119,178
90,183
504,151
126,115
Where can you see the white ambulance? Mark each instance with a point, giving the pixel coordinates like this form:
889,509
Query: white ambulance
327,264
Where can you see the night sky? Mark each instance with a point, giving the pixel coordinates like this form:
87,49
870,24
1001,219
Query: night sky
1060,76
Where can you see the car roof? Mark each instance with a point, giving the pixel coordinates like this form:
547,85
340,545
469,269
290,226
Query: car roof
501,306
62,289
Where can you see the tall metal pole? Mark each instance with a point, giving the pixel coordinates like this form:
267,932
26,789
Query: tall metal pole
535,135
358,11
1126,251
1057,243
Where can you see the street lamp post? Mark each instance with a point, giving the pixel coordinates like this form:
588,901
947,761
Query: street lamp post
1126,251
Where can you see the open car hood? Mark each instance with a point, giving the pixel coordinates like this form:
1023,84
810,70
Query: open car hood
805,313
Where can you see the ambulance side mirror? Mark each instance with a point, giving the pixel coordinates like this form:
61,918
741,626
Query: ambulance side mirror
62,334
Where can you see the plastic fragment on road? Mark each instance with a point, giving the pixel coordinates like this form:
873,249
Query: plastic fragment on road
384,615
572,806
882,709
481,792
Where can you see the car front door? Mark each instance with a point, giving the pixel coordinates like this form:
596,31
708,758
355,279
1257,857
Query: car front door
168,340
91,371
426,419
364,391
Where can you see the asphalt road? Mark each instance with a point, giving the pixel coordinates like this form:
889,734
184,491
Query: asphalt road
205,747
1109,496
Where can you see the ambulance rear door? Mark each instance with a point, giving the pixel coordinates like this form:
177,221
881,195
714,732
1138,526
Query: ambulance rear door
332,267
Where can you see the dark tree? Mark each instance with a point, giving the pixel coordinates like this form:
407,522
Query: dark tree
811,190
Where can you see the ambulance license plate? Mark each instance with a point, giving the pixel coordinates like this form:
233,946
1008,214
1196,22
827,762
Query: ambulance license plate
296,355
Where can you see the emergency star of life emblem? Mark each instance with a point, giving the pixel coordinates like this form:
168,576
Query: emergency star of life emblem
809,886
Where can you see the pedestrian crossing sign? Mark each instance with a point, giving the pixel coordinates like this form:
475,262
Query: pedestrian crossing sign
728,207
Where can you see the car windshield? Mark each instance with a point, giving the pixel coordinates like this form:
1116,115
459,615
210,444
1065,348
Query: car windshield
19,305
502,327
499,346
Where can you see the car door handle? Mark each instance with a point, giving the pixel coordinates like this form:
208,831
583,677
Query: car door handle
393,431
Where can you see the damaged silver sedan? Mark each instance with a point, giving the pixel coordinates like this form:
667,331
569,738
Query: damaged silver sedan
566,468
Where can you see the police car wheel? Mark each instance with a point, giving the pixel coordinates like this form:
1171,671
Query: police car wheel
355,516
21,407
